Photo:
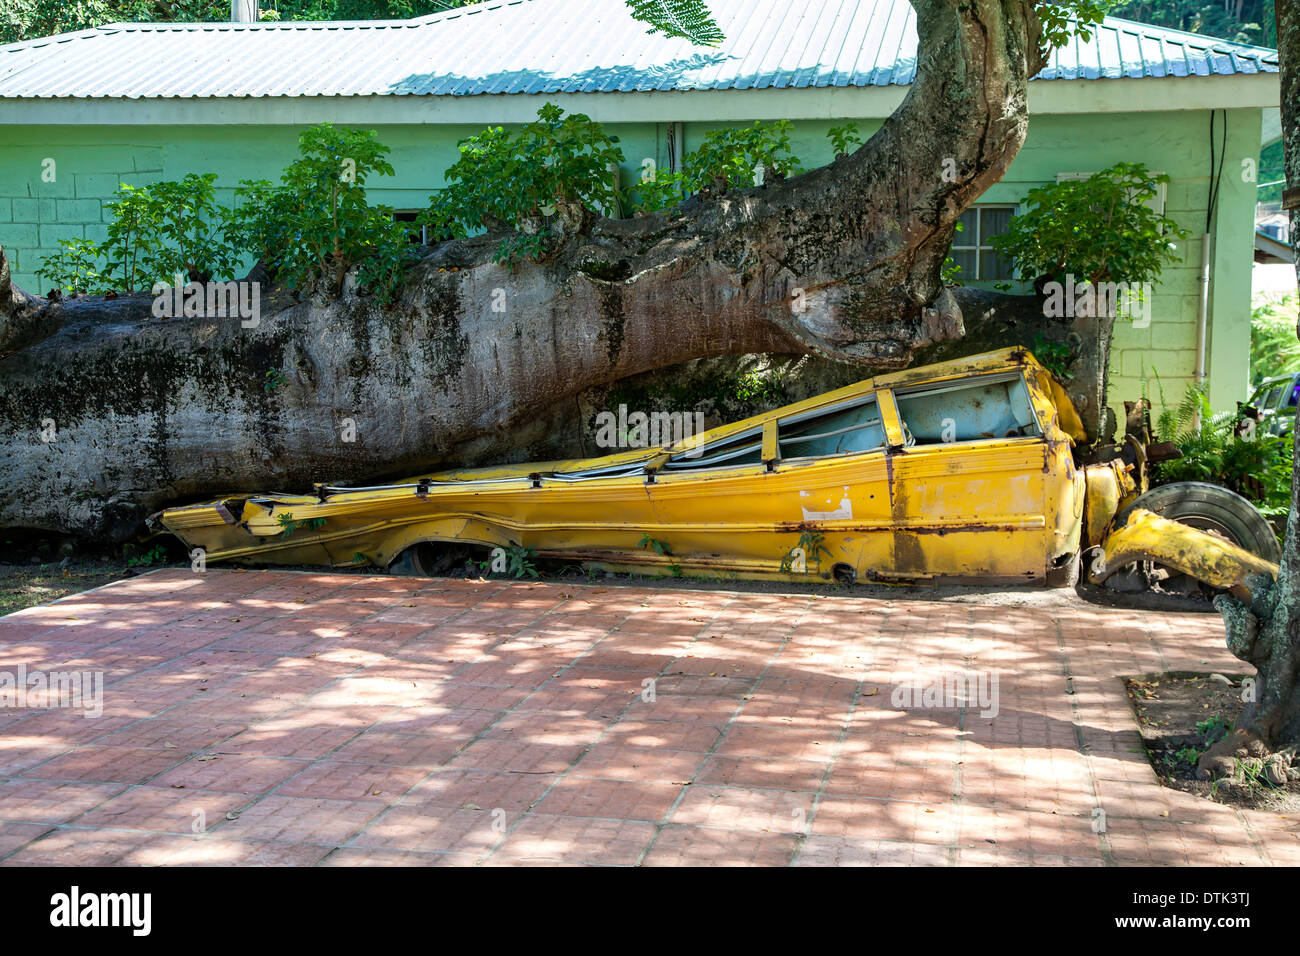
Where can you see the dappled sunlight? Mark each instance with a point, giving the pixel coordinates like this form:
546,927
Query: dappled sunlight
313,718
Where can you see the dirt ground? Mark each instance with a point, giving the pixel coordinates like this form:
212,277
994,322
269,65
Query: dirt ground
1180,715
24,585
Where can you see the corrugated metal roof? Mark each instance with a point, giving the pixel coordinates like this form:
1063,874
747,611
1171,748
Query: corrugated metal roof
555,46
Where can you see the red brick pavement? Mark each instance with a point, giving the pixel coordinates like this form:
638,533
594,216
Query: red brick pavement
295,719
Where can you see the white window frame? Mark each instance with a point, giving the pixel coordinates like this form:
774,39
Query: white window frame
959,244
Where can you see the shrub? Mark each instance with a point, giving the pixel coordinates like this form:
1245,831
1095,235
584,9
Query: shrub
317,224
1274,348
1100,229
156,232
517,179
1254,464
726,159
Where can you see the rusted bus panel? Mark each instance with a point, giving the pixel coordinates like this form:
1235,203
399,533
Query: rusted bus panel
970,509
760,516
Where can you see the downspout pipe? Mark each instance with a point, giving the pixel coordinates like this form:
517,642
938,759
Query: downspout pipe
1202,322
1203,308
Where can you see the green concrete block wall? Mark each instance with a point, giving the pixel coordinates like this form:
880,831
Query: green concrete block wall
90,161
1162,357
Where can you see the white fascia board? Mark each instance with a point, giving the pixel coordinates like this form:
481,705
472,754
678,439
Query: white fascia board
1045,97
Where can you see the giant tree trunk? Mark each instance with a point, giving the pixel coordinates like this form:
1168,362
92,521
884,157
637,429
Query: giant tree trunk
1266,633
843,262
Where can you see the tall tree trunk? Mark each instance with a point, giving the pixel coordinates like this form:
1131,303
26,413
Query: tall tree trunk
107,414
1266,633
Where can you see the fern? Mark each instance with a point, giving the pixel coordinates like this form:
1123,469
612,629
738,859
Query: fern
1256,466
687,19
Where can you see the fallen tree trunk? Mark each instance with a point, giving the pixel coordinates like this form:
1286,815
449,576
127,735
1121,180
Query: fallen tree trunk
107,413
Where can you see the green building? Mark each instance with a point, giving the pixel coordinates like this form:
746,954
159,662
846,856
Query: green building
135,103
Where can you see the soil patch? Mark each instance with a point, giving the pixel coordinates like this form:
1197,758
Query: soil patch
1180,714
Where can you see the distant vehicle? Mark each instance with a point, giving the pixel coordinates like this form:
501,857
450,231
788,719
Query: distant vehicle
962,471
1275,400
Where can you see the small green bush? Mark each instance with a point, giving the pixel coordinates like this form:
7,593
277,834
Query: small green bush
156,233
1274,347
726,159
517,179
1100,229
317,224
1255,465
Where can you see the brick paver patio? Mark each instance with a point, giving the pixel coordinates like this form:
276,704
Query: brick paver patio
290,718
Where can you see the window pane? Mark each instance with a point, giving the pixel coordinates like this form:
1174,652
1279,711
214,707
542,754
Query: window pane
968,411
965,259
994,266
968,234
993,222
838,431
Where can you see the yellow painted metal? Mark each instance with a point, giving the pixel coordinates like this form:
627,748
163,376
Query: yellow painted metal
996,509
1108,484
771,450
895,438
1148,537
1068,417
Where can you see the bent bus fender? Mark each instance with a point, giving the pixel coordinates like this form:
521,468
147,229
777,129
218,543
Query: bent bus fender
1148,537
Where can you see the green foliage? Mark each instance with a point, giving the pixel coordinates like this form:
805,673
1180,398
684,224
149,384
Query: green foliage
733,394
950,272
844,139
1242,21
812,544
726,159
156,555
27,19
729,157
1064,19
1056,357
156,232
290,525
1271,169
1274,347
75,267
688,19
317,224
1255,465
1214,729
1098,230
517,179
274,379
655,545
520,562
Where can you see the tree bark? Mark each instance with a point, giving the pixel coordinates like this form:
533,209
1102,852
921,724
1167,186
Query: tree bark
843,262
1266,633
